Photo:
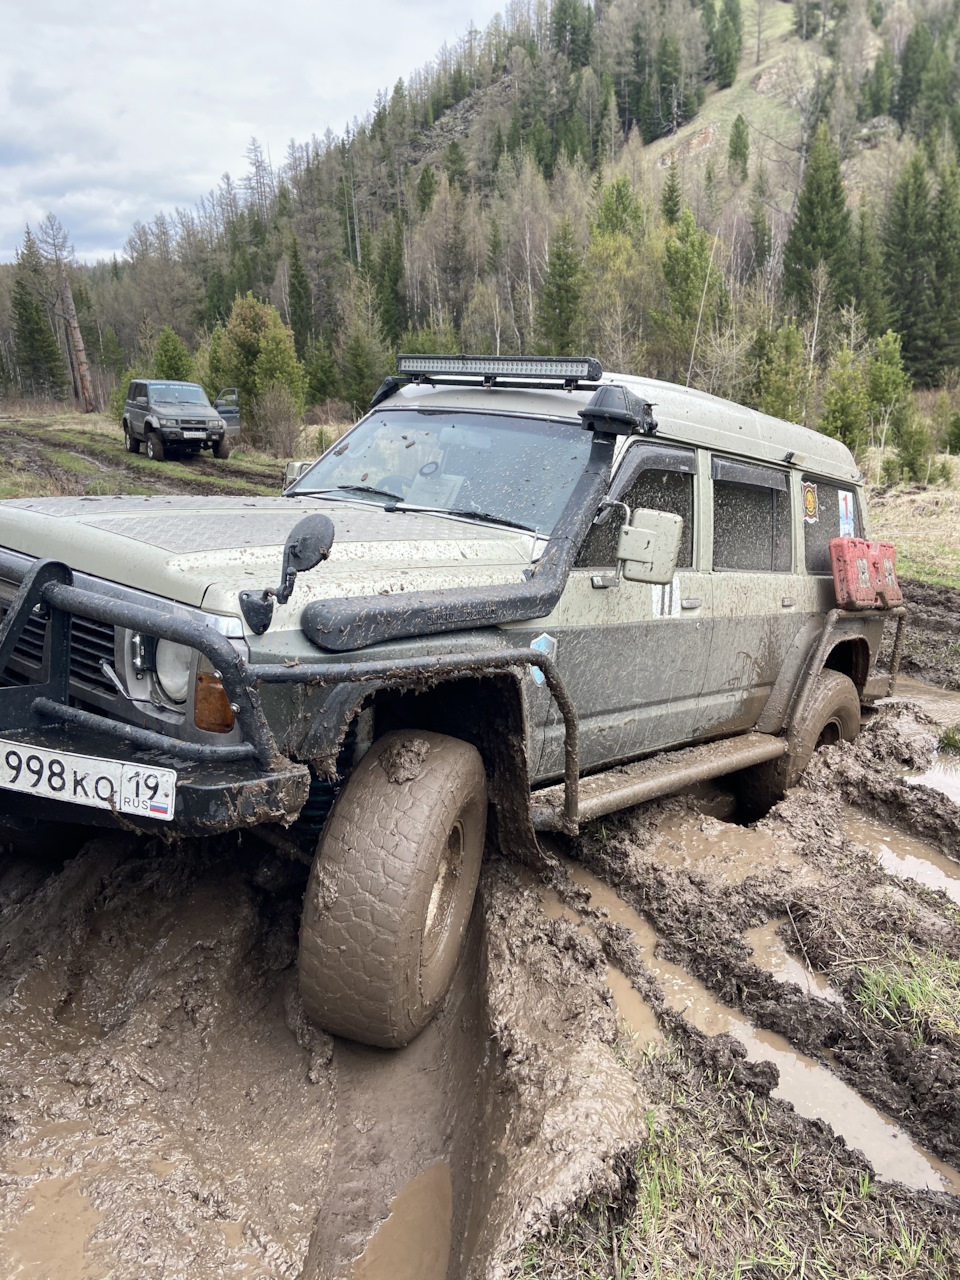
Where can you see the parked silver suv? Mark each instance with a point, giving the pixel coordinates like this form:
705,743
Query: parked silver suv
174,419
516,596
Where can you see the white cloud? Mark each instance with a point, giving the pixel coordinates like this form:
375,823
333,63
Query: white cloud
110,112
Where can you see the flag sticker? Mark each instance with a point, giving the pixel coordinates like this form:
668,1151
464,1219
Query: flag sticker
845,498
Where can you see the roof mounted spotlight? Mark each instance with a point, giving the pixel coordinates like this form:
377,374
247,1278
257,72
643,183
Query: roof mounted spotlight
614,410
567,371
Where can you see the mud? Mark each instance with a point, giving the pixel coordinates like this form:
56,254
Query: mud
165,1109
932,647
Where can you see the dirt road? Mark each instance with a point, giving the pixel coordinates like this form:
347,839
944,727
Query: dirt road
680,1044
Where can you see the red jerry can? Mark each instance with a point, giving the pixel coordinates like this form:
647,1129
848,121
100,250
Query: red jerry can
864,574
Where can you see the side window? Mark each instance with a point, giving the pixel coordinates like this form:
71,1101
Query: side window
658,486
751,517
829,511
133,391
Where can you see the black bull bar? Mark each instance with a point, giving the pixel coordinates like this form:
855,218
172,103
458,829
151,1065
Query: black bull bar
48,585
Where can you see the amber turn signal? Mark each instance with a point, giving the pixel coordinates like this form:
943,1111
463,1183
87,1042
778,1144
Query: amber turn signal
211,706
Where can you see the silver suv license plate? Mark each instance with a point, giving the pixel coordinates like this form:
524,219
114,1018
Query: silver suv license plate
101,784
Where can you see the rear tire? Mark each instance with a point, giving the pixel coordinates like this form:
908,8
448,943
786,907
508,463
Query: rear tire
221,448
392,886
832,715
129,442
155,449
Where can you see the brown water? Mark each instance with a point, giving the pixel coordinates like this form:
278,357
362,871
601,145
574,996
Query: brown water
692,841
942,704
814,1091
49,1242
770,953
413,1243
943,776
904,856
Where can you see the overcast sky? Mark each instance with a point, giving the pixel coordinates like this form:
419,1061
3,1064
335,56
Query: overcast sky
110,112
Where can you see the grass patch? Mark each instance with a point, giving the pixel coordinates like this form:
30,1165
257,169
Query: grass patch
918,992
950,739
721,1189
70,462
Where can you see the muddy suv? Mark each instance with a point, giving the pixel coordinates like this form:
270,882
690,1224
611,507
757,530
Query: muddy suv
517,596
174,419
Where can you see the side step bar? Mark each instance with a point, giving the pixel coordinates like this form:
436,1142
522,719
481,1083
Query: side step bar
660,775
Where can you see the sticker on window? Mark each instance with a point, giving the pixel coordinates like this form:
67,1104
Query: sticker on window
845,498
811,503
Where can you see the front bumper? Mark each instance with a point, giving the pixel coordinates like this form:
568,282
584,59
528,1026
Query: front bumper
210,797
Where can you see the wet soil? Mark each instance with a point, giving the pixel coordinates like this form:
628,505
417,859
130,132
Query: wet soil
932,646
672,991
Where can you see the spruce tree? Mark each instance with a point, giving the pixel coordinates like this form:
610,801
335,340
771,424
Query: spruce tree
945,261
671,198
878,87
558,308
320,370
784,377
909,268
39,363
171,359
426,188
455,163
738,154
301,302
821,228
917,53
869,289
845,402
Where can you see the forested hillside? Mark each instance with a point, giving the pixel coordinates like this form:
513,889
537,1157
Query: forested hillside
756,197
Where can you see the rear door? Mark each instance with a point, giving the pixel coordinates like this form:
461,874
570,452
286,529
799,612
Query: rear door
760,606
633,656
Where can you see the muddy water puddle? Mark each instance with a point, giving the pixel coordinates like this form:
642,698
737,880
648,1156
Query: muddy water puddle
413,1243
943,776
904,856
702,842
51,1238
812,1088
943,705
770,952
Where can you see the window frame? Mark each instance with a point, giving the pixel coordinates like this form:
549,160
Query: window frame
750,473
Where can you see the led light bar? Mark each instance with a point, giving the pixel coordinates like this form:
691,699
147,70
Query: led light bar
574,368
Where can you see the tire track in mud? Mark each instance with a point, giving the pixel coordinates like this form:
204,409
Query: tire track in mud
165,1110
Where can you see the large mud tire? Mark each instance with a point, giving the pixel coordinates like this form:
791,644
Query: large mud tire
130,442
221,448
832,715
155,449
392,887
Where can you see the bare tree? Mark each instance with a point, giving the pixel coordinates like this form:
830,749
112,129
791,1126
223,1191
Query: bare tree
55,246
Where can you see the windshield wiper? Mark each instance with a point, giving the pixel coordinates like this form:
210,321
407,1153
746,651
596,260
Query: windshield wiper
470,515
350,488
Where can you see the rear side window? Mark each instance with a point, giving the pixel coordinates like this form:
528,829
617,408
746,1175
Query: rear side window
829,511
751,517
657,488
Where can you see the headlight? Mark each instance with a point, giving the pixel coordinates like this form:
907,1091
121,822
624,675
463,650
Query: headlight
173,663
168,422
219,422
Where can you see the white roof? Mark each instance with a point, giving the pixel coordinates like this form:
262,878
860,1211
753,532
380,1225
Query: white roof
683,414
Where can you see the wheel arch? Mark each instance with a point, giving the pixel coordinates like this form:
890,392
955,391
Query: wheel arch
487,711
851,657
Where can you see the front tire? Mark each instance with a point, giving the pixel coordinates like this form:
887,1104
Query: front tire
832,715
221,448
155,449
392,887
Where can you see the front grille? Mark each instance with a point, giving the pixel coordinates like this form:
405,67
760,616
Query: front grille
193,422
89,642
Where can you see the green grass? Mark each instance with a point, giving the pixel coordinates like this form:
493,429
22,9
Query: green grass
717,1193
70,462
950,738
918,992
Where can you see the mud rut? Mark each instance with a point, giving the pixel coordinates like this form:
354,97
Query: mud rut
165,1110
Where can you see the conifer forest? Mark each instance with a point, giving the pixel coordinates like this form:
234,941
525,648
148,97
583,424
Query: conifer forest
757,198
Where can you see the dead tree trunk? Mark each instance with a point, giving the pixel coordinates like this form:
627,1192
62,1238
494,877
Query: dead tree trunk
75,339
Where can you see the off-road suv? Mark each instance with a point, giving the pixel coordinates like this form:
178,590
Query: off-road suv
174,419
516,596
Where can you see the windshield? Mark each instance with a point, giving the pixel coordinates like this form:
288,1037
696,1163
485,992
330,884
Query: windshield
515,471
177,393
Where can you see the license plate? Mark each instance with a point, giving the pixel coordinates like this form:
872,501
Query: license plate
194,435
101,784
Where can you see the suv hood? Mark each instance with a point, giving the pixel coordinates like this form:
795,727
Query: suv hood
204,551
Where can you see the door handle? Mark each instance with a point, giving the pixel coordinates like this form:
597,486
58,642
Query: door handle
788,602
693,602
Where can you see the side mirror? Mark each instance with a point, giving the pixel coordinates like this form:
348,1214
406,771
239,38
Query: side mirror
649,546
308,544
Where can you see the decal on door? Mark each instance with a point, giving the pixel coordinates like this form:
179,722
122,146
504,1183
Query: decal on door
845,498
811,503
543,644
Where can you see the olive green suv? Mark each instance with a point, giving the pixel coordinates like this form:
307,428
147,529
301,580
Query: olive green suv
517,596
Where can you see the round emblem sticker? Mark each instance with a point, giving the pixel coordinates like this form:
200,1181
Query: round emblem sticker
811,506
